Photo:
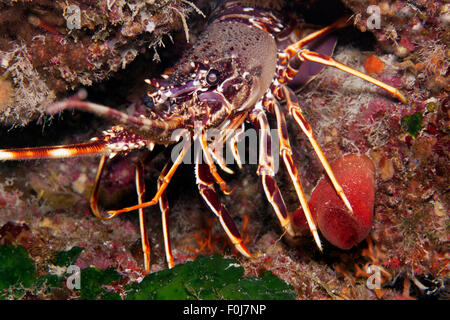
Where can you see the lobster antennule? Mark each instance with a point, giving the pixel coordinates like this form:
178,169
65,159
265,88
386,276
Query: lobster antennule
165,92
150,126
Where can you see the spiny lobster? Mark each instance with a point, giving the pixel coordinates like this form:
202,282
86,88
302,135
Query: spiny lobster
244,63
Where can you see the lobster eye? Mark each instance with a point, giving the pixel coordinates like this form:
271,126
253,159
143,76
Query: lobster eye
213,77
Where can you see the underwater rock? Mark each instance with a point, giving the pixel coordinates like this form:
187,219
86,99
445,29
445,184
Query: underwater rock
48,48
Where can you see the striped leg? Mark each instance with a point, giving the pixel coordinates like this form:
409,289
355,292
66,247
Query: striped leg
293,48
140,189
296,113
94,195
205,183
306,54
233,144
286,154
164,206
217,155
295,54
231,133
266,170
212,168
165,182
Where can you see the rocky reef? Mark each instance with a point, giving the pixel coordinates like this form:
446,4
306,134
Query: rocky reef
44,204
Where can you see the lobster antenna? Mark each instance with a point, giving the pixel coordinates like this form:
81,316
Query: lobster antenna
157,127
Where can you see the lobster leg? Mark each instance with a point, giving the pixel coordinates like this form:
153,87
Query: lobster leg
232,143
306,54
217,155
266,170
165,182
291,50
286,154
205,183
295,54
140,189
296,113
223,185
231,134
164,206
93,201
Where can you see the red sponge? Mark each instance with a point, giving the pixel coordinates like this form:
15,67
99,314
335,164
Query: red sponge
356,174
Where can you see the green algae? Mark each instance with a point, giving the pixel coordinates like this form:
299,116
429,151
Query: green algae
206,278
17,271
69,257
413,123
210,278
94,283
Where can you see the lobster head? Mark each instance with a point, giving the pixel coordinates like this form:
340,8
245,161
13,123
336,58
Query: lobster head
216,80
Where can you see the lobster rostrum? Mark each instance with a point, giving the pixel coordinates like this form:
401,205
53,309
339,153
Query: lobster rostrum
239,69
